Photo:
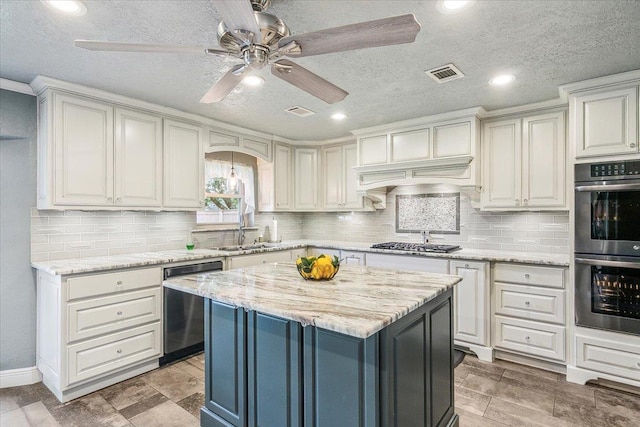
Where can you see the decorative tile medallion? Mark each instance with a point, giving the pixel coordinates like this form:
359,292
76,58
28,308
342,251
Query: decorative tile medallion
434,212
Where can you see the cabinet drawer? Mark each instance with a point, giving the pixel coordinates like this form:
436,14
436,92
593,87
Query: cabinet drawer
94,317
105,355
610,357
101,284
529,275
530,302
533,338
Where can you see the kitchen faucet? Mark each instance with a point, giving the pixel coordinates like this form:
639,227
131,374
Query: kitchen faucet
240,227
425,236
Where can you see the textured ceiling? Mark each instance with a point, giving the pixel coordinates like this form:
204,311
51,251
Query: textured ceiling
544,43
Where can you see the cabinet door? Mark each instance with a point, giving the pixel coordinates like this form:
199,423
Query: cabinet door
306,178
282,177
543,160
83,151
350,196
452,139
471,302
373,150
183,165
408,146
607,123
275,371
266,183
501,159
332,171
138,159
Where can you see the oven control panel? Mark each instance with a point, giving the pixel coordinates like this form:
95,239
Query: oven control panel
615,169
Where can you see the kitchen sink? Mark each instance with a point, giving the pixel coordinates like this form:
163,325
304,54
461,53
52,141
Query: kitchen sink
238,248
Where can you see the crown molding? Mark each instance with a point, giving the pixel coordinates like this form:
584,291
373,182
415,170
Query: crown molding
14,86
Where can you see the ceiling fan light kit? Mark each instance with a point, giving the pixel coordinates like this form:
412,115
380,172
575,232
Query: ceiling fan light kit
259,39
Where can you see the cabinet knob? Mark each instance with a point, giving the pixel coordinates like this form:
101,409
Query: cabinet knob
119,283
109,199
119,313
466,266
527,338
118,200
632,145
527,303
526,276
119,351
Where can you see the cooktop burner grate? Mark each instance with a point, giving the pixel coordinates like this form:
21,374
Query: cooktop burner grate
416,247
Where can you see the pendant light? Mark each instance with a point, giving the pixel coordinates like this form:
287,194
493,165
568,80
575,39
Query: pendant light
233,179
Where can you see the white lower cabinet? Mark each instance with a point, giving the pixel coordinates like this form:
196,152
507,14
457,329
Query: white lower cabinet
408,262
95,330
471,324
529,310
607,355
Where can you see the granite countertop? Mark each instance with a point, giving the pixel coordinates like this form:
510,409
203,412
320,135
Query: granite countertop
94,264
358,302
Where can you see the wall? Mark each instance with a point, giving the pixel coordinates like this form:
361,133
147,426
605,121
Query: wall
79,234
544,232
17,195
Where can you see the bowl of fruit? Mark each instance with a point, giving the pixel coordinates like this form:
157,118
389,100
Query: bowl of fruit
322,267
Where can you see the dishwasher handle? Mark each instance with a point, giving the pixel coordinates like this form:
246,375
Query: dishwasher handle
192,269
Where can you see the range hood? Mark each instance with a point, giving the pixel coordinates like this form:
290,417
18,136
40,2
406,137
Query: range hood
442,149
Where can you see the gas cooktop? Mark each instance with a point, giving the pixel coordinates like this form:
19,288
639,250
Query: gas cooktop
416,247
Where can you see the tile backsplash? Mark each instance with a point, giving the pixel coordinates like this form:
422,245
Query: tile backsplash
80,234
546,232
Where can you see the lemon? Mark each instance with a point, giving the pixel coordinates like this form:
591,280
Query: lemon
299,261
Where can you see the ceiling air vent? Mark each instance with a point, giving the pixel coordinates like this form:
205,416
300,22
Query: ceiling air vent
299,111
445,73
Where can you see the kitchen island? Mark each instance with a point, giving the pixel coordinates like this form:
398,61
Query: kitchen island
369,348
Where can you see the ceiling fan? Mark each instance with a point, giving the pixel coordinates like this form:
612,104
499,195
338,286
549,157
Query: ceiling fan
259,39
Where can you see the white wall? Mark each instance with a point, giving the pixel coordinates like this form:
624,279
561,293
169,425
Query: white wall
17,195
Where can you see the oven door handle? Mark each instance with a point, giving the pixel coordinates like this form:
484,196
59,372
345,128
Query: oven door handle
607,263
610,187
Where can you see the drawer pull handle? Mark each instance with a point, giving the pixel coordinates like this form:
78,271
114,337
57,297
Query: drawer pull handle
466,266
119,283
119,313
119,351
527,303
526,276
527,338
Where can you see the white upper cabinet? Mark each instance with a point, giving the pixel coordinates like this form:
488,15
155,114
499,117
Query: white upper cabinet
524,163
606,122
373,150
305,183
275,180
183,165
411,145
222,140
340,180
543,160
138,159
452,139
501,174
82,150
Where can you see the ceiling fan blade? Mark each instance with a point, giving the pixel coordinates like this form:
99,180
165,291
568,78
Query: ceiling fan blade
381,32
137,47
311,83
238,15
225,85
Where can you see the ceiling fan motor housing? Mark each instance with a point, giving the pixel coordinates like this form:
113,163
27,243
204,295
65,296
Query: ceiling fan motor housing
272,29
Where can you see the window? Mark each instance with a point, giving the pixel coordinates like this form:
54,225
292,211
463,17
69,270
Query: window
222,204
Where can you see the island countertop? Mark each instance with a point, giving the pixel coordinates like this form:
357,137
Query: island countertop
359,301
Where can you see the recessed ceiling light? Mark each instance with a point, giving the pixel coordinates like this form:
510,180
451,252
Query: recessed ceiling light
338,116
452,6
253,80
68,7
502,80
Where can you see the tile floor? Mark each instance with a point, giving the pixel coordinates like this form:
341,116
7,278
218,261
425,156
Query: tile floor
497,394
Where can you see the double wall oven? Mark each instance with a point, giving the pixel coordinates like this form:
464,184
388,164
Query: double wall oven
607,246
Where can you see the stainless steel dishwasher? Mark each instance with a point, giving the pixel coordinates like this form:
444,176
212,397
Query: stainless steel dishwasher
184,315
